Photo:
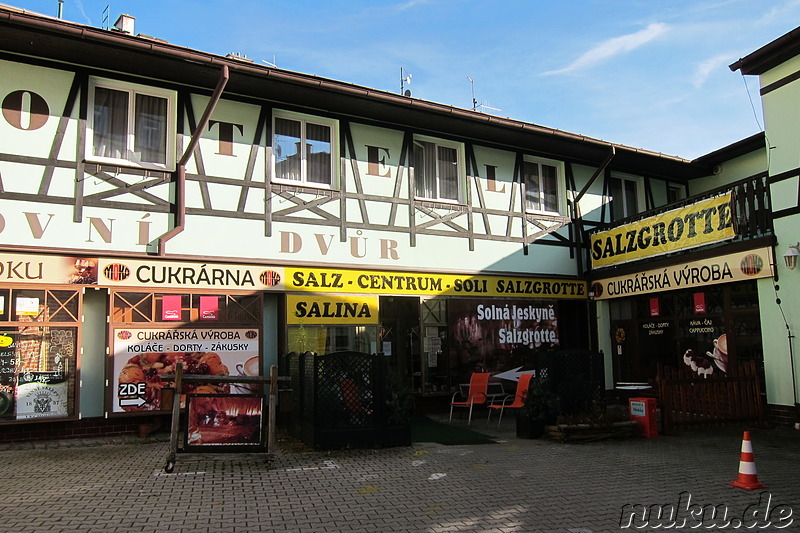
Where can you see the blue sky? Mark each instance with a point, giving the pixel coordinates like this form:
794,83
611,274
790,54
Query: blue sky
645,73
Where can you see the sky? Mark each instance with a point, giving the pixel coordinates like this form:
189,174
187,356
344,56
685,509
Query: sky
649,74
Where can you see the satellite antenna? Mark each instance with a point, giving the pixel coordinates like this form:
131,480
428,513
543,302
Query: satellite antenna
403,81
475,104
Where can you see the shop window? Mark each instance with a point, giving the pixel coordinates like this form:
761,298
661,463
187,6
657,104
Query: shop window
303,149
131,124
437,170
146,307
624,197
541,179
38,353
323,339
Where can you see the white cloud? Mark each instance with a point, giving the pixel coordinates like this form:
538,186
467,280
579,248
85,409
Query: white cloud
706,68
613,47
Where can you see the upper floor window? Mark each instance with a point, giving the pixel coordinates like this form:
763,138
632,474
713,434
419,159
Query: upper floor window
303,148
437,170
624,193
132,124
541,179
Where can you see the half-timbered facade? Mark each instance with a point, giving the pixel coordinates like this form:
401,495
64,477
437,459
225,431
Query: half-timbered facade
164,205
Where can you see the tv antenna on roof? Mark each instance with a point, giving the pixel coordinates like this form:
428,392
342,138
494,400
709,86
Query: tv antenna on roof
403,81
475,104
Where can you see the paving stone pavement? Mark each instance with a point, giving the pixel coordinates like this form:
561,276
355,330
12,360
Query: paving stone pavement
512,486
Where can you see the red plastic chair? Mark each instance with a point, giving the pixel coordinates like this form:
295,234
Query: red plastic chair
518,398
478,385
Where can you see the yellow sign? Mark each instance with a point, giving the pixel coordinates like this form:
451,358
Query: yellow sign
408,283
740,266
701,223
315,309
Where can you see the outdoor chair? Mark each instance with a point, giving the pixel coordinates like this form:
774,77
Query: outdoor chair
478,384
516,401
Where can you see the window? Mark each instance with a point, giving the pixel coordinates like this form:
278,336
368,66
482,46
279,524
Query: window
437,170
624,197
131,124
675,193
541,179
303,148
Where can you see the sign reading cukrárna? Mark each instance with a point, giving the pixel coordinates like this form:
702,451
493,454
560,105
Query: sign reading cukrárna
695,225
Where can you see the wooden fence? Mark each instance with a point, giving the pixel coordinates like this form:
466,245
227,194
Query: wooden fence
689,400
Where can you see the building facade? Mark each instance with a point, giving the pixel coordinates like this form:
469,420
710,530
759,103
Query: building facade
165,205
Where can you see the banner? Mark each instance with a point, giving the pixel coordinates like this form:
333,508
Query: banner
189,275
740,266
334,310
418,284
701,223
142,356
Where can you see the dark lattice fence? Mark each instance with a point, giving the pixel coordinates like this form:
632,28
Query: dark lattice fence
339,399
577,377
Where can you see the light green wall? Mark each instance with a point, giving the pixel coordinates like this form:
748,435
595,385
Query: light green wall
93,357
781,118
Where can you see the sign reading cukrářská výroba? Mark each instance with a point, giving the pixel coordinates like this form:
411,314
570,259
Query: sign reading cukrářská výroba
701,223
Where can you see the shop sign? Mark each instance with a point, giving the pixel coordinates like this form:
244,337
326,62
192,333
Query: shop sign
142,356
189,275
481,329
418,284
315,309
740,266
224,422
54,270
698,224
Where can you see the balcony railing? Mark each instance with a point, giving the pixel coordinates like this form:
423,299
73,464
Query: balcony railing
752,209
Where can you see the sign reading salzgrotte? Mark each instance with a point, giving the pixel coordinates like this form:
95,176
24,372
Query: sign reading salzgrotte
701,223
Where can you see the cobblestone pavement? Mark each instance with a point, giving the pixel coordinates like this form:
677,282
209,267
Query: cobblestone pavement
511,486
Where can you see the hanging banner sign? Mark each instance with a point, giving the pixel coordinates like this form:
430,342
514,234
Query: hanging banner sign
315,309
189,275
701,223
740,266
417,284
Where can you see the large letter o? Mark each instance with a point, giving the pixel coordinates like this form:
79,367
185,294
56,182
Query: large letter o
13,111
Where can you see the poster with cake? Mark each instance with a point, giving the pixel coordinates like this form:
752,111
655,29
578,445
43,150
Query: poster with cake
141,357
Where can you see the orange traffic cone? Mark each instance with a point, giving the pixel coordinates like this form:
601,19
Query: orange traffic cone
747,479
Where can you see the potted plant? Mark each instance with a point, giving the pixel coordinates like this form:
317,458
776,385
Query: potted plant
399,401
539,409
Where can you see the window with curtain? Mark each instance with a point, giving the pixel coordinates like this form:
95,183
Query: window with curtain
437,171
303,149
624,197
131,124
541,181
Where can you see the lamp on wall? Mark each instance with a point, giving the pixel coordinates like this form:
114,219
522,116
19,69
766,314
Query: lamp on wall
791,256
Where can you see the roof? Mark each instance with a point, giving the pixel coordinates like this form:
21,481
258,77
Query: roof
770,55
28,35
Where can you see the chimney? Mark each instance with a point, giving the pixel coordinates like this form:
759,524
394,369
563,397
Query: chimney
124,24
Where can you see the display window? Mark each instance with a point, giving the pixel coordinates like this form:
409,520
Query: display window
707,329
39,330
209,334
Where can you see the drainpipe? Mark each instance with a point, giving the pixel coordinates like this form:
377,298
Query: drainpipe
180,171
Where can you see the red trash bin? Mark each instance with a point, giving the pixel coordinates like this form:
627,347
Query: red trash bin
643,411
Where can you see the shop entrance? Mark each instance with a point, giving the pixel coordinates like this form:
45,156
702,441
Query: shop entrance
399,317
709,329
